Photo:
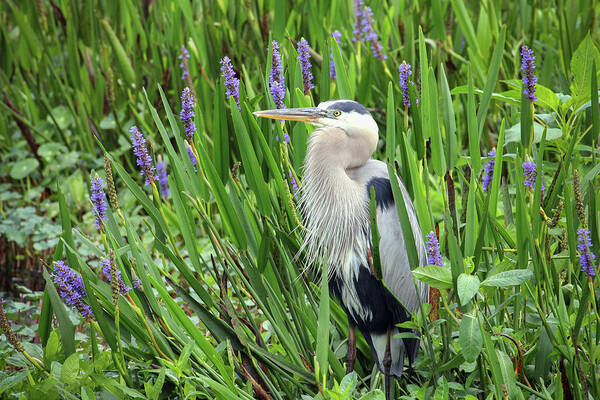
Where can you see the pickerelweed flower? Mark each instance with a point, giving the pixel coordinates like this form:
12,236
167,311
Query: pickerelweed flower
276,81
359,7
192,158
98,198
294,182
144,161
163,178
405,71
69,286
184,57
587,259
232,84
304,58
187,113
528,72
336,35
488,171
371,35
123,288
434,257
530,174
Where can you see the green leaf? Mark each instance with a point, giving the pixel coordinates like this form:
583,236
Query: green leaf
22,169
513,134
467,286
434,276
70,369
581,66
508,278
469,338
323,328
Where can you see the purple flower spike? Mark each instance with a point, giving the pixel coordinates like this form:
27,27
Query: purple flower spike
187,113
528,71
530,174
232,83
304,58
163,178
123,288
433,250
371,35
277,83
144,161
98,198
192,158
184,57
336,35
488,171
587,259
405,71
359,6
70,287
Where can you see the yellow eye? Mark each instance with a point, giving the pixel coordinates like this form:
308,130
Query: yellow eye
337,113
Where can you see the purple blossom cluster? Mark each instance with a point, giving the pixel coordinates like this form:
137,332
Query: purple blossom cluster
187,113
232,84
434,257
144,161
530,174
363,28
163,178
294,182
488,171
359,7
70,287
184,56
405,71
587,259
192,158
528,72
276,81
304,58
336,35
98,198
123,288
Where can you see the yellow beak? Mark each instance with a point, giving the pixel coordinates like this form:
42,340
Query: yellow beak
308,114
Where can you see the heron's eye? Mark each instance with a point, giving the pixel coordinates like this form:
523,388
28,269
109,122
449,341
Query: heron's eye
337,113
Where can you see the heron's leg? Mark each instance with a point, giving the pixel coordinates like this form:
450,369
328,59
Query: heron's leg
387,364
351,354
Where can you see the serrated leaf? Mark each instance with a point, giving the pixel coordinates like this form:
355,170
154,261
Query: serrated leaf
467,286
508,278
434,276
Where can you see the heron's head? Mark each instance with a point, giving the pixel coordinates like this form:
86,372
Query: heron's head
347,115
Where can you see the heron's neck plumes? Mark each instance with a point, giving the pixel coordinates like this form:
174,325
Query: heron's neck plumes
333,205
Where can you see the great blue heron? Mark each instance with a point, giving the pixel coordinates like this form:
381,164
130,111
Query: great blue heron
338,174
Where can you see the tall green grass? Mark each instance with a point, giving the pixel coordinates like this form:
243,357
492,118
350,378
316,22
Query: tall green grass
225,309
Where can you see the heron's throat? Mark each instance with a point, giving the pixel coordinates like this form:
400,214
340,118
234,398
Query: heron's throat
333,205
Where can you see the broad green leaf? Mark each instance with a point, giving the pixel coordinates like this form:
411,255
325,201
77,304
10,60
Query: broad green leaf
581,66
508,278
22,169
467,286
513,134
434,276
469,338
70,369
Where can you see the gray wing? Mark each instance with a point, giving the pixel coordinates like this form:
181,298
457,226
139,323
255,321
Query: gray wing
395,266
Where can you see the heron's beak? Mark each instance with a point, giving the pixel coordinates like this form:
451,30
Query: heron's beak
308,114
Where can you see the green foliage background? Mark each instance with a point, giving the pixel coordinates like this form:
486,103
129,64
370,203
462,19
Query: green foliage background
225,310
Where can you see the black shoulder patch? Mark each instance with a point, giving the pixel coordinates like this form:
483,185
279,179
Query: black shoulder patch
348,106
383,192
